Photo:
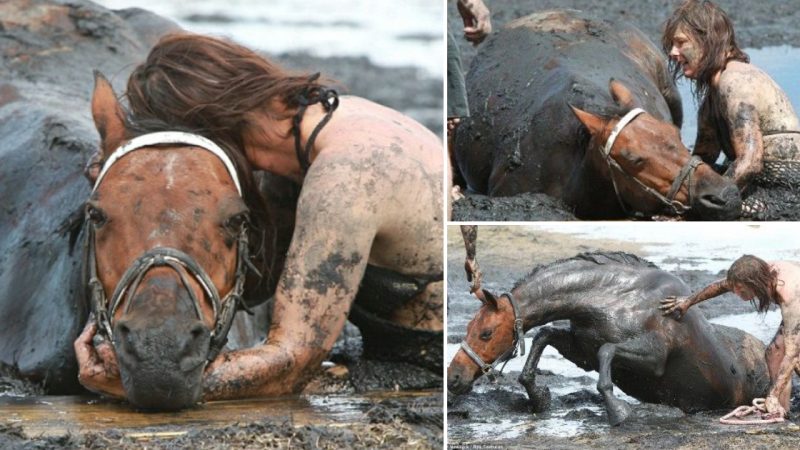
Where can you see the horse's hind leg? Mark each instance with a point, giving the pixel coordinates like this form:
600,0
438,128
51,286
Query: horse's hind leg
540,395
647,353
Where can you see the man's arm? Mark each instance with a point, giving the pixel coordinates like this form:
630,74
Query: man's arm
336,224
682,304
477,21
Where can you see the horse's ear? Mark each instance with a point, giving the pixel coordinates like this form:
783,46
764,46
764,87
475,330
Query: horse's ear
622,95
489,299
107,114
595,124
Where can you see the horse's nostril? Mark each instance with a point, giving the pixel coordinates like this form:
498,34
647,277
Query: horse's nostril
713,201
198,331
123,330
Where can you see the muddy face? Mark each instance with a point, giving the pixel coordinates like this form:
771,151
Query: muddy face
149,199
686,52
489,334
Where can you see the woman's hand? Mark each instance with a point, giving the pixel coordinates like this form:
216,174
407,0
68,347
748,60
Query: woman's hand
672,304
774,407
97,364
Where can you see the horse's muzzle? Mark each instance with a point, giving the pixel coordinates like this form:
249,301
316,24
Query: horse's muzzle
718,204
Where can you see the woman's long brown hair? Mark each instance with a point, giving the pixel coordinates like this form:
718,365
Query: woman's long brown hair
757,275
709,26
210,87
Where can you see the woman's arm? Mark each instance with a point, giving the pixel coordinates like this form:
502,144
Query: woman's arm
789,364
337,221
706,146
682,304
738,103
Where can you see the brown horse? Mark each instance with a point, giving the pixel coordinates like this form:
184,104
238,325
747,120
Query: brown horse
553,100
168,253
616,329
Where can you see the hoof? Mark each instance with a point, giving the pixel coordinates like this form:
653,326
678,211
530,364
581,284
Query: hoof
618,412
540,398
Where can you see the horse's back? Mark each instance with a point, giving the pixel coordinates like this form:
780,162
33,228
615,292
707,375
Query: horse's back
522,135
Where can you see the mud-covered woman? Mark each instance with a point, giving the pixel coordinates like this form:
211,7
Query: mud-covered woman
772,283
369,208
743,113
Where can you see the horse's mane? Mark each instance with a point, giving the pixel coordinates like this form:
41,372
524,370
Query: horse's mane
599,258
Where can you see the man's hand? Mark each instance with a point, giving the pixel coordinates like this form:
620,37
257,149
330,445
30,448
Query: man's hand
477,23
672,304
452,124
97,365
774,407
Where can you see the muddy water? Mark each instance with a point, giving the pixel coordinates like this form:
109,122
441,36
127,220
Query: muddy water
498,413
61,415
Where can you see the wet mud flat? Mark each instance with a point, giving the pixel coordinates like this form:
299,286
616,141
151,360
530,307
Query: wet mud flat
498,415
384,419
351,403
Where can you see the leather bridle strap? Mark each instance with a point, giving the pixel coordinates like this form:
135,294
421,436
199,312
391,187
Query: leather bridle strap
224,309
489,369
166,138
668,201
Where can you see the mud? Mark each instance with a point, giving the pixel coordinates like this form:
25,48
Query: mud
46,60
411,419
498,415
757,25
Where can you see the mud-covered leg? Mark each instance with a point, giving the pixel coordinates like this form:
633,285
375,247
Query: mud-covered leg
647,353
774,356
540,395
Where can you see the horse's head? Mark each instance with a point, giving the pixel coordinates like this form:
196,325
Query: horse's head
651,171
492,337
166,257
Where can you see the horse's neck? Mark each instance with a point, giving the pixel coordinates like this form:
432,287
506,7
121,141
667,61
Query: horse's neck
590,189
559,294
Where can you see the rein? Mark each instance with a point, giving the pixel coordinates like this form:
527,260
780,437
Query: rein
224,308
684,176
489,369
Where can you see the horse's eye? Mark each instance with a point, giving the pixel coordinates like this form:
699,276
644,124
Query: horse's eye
236,221
96,215
633,158
486,335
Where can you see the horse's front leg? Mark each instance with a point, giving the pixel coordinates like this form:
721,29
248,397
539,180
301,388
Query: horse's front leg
559,338
647,353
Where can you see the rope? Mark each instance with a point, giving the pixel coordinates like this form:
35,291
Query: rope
738,415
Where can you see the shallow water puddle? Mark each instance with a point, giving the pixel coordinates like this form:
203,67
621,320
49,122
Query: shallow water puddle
59,415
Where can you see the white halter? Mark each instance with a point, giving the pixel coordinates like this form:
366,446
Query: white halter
169,137
626,119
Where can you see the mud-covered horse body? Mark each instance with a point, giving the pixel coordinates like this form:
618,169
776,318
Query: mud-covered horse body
616,329
524,136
